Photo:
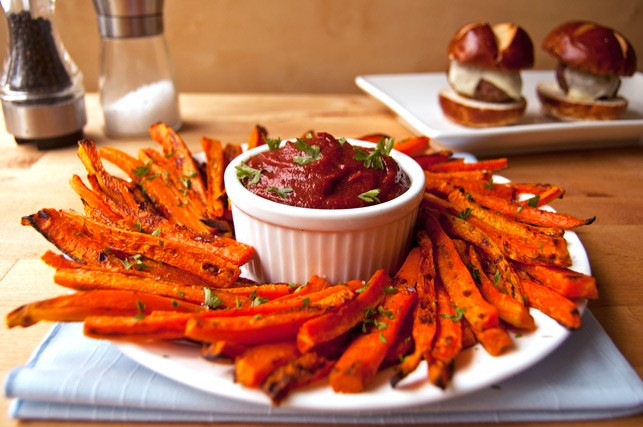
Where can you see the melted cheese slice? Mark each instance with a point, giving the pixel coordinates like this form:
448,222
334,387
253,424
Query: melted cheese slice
589,87
465,78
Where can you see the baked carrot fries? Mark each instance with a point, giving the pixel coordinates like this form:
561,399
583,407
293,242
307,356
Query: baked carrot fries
153,257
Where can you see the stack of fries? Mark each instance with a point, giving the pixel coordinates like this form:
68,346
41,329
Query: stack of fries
153,257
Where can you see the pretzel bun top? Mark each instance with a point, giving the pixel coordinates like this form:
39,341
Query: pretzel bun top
503,46
592,48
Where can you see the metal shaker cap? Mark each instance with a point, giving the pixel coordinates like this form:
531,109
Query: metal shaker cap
129,18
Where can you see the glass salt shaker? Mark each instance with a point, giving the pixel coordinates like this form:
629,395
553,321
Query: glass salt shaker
137,86
41,88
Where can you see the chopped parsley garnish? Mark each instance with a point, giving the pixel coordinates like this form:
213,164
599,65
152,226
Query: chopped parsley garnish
256,299
475,273
246,172
370,196
281,192
362,289
374,158
141,171
385,312
496,277
533,202
134,261
459,312
272,143
489,184
186,182
390,290
312,152
465,213
211,300
140,307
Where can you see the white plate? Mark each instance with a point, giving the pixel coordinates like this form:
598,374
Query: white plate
414,98
475,368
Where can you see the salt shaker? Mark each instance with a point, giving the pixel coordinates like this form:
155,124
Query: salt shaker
41,88
137,86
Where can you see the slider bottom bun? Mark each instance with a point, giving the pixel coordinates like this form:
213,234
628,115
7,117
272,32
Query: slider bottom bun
557,105
472,113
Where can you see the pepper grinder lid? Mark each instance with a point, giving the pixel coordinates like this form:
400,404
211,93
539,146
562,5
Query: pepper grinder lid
129,18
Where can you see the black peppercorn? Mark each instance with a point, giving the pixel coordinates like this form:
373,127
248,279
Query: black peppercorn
35,64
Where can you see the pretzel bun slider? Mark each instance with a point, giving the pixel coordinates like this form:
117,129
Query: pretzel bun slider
591,61
485,86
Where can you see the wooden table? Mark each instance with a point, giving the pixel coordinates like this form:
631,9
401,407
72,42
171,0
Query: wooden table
606,182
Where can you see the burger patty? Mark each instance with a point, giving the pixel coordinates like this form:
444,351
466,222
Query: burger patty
488,92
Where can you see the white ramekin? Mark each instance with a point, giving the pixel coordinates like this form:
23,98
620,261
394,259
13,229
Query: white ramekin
293,243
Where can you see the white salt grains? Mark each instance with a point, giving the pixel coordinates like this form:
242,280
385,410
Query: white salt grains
136,111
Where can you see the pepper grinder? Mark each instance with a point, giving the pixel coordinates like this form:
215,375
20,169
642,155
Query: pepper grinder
136,83
41,88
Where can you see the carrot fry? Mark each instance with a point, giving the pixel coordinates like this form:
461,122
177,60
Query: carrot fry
214,167
426,160
494,340
89,278
216,262
314,284
57,261
223,351
254,366
329,326
544,193
305,369
403,344
468,207
373,137
424,314
532,215
71,238
565,281
448,340
472,175
114,188
268,290
552,304
481,165
324,299
511,311
364,355
137,328
412,146
177,151
458,281
518,241
79,305
257,137
251,330
230,151
505,278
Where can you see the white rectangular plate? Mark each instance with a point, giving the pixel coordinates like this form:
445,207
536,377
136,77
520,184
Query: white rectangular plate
414,98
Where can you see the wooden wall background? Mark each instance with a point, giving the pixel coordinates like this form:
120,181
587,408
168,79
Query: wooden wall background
319,46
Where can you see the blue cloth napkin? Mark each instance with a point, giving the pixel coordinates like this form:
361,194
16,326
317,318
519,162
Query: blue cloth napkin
71,377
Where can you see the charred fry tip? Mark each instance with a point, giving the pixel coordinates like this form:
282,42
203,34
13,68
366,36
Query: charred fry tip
397,377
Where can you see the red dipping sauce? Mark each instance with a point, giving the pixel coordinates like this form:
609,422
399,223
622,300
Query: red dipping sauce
321,172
